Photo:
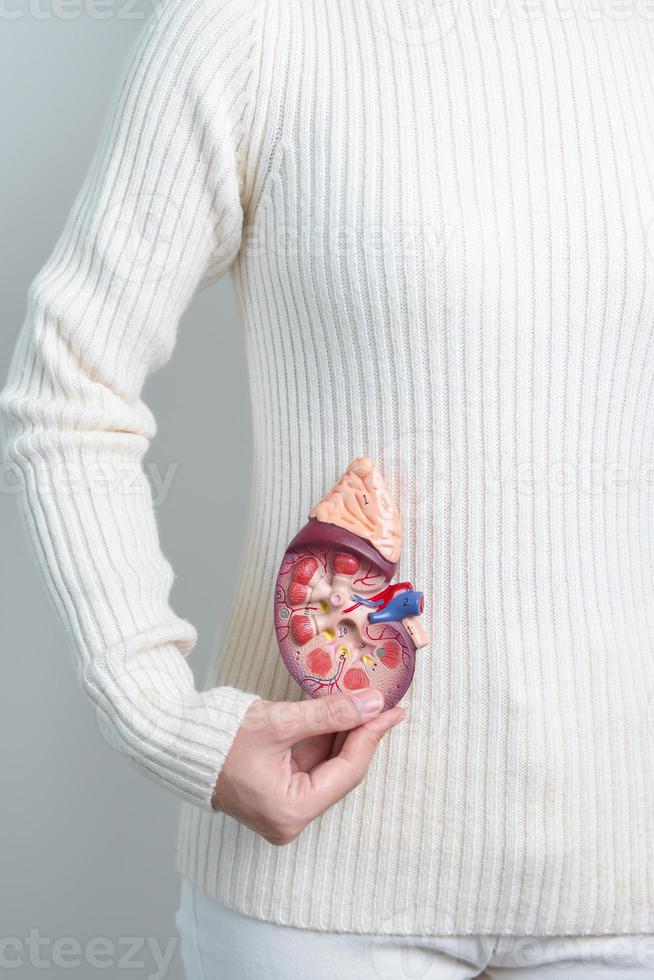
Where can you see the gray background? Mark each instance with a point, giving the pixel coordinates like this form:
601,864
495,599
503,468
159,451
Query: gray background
87,843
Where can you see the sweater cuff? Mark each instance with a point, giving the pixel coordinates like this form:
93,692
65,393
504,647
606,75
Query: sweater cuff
230,706
148,708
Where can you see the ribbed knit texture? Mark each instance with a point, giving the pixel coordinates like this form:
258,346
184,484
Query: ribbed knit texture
438,231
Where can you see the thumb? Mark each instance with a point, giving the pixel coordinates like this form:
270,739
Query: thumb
294,720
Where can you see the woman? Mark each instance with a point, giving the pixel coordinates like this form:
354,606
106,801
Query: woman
437,229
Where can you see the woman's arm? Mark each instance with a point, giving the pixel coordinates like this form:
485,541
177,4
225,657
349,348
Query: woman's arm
159,215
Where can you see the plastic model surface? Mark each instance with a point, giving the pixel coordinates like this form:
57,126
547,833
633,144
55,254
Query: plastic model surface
340,623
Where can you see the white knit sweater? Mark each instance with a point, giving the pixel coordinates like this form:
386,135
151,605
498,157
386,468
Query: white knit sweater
438,229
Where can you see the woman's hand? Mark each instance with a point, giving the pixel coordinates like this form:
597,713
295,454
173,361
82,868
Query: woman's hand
291,760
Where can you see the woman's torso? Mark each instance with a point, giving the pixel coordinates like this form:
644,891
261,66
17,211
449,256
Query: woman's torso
448,268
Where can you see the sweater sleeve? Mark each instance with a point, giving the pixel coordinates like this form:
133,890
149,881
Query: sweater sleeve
159,216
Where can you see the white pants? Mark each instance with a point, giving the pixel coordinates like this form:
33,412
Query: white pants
220,944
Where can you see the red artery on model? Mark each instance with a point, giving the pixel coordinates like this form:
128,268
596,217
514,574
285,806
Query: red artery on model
382,598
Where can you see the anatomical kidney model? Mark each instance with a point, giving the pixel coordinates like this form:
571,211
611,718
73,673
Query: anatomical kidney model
340,624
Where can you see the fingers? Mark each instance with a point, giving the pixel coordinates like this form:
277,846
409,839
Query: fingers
291,721
275,789
334,778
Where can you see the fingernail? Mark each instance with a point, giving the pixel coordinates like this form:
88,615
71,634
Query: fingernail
369,701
